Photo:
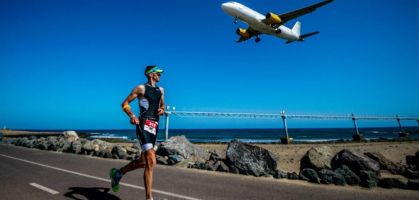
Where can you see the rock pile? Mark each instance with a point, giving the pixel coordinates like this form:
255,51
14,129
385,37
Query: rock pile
241,158
70,142
178,149
347,167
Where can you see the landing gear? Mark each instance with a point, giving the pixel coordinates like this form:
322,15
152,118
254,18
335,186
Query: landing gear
257,39
235,20
278,31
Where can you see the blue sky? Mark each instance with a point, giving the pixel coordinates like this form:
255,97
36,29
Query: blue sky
69,64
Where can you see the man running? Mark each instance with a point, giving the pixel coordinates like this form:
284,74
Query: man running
151,100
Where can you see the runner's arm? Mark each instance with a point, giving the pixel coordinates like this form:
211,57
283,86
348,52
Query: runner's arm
162,105
136,92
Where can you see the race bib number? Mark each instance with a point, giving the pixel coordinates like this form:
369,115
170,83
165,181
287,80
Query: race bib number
150,126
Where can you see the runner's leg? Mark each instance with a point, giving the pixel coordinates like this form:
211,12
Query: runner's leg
150,158
135,164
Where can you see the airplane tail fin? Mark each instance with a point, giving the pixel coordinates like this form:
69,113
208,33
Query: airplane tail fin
297,28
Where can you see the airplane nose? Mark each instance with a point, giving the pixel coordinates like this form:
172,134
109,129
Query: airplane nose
223,6
226,6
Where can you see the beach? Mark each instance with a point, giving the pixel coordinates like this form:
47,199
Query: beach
289,156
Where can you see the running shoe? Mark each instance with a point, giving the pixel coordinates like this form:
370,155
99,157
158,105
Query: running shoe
116,176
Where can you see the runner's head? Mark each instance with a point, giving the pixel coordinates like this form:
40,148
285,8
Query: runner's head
153,72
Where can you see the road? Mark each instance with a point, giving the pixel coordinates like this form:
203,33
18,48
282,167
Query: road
35,174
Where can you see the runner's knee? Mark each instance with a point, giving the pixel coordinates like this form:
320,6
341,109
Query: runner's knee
150,158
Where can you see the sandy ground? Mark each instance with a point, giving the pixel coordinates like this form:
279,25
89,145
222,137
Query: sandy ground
289,156
6,132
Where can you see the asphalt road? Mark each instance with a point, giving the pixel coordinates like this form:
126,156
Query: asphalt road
35,174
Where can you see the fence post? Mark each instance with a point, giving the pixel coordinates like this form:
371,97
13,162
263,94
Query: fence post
286,139
398,122
356,136
167,114
401,132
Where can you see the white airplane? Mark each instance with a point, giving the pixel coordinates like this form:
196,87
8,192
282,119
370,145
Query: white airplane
271,23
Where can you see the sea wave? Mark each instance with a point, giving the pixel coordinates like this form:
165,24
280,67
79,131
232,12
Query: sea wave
109,136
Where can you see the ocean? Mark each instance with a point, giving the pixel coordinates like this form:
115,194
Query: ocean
262,135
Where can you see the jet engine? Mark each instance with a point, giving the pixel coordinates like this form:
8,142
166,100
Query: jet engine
243,33
272,18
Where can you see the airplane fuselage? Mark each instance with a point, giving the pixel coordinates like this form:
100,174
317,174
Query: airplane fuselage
254,20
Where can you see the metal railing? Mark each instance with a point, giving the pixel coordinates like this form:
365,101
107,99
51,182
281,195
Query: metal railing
284,118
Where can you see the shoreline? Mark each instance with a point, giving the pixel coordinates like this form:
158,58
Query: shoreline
23,133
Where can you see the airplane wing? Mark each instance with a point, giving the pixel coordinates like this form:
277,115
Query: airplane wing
300,12
249,33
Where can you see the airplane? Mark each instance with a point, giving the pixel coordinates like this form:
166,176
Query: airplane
271,23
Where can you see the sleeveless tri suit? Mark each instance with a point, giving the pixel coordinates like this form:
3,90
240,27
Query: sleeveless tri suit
149,118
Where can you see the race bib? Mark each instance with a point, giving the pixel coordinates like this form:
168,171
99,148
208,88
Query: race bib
150,126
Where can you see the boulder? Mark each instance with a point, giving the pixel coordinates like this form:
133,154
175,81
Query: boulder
133,151
174,159
369,179
385,163
328,176
88,148
411,174
41,143
199,165
56,143
161,160
309,175
107,152
234,169
101,148
119,152
70,136
280,174
250,160
66,147
221,166
350,177
60,143
214,156
179,145
218,165
24,142
391,183
317,158
410,160
9,140
413,184
29,143
76,147
292,176
211,165
355,162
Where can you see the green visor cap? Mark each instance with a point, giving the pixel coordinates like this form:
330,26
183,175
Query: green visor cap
154,69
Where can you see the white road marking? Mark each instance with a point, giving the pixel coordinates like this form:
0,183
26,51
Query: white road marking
100,179
51,191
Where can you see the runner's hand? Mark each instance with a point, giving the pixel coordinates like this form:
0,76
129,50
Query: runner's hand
134,121
160,111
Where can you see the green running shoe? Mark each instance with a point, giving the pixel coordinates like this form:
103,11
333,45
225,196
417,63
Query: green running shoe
116,176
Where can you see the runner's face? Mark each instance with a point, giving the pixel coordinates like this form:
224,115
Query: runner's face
156,76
